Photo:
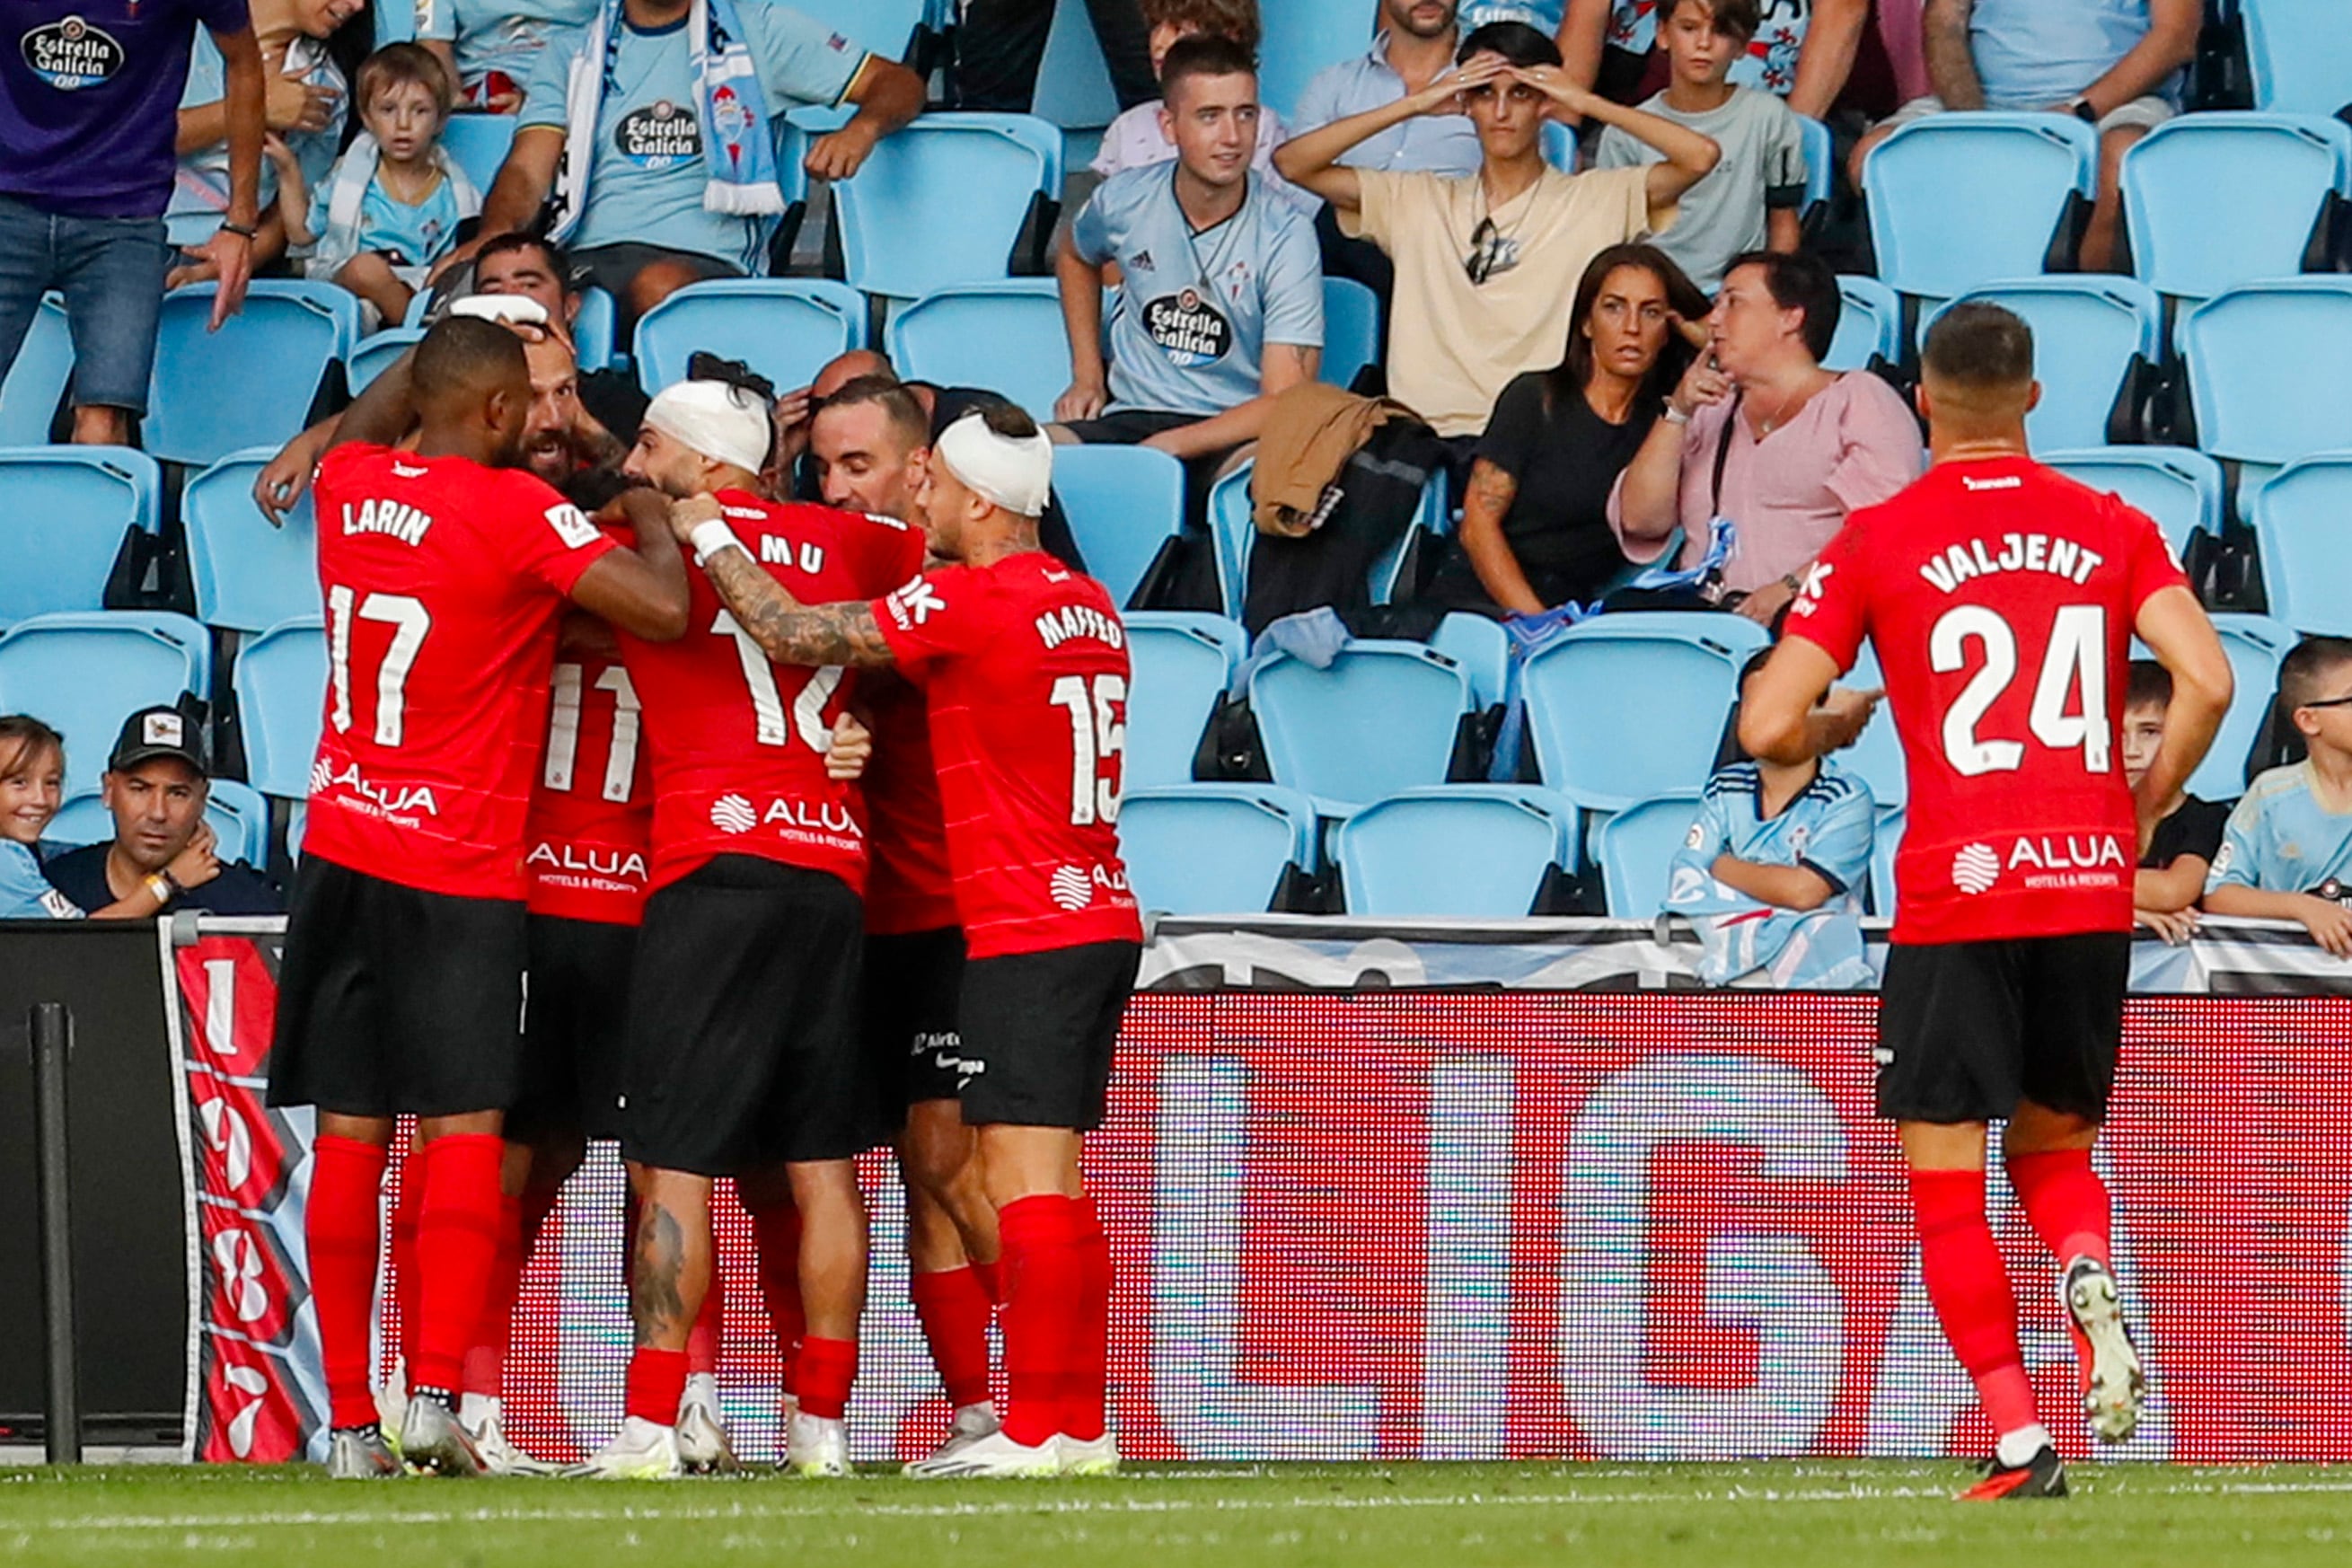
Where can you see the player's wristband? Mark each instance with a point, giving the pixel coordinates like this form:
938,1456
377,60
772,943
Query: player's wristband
709,538
242,231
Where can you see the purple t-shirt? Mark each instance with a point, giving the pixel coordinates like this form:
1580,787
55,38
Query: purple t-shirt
89,98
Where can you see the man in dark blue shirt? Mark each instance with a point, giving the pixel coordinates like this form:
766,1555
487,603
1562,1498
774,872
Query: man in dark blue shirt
156,785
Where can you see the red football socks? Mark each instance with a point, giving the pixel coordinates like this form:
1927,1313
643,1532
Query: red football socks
702,1339
1961,1266
992,1279
486,1359
344,1228
656,1382
456,1247
778,1232
406,1208
953,1307
1083,1413
823,1373
2064,1201
1043,1316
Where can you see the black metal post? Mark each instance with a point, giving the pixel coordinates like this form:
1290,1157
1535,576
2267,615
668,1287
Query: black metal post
52,1031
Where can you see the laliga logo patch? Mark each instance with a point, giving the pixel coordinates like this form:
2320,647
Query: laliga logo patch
71,53
658,136
733,814
1072,887
1976,869
1189,329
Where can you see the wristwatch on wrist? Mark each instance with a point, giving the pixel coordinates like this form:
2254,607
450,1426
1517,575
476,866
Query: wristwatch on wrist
2082,110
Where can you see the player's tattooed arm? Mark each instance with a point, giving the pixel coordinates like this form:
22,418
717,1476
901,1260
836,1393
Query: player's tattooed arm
789,631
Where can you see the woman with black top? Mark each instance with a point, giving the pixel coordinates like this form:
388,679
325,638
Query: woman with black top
1535,518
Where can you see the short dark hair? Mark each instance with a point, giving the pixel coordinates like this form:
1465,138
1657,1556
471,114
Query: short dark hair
1979,346
1203,54
1524,47
395,65
24,738
1732,19
558,262
2147,685
1005,417
1800,280
2305,670
888,394
465,356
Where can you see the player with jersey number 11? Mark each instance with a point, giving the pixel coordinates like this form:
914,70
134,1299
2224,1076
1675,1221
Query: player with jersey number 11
1023,665
2002,598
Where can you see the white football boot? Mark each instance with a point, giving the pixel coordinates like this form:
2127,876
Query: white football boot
361,1454
972,1423
816,1448
2113,1383
640,1451
993,1457
1099,1457
703,1445
432,1441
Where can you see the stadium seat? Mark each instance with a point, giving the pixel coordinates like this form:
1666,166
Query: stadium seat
1877,758
85,673
248,574
593,330
2303,533
64,512
2181,489
296,821
987,169
272,354
1233,535
1636,847
1181,664
1458,851
1870,324
374,354
1883,848
1958,199
1074,87
1214,848
1482,648
1302,37
2254,644
280,682
1351,330
2300,53
2097,343
30,391
783,328
239,817
1632,705
1381,720
2265,365
479,142
1123,503
2219,198
1820,169
1004,336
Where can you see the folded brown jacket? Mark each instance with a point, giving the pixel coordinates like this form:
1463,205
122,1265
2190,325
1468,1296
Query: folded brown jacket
1310,432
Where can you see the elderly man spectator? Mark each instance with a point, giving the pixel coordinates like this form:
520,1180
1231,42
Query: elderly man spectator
2116,65
1804,50
491,46
156,785
87,137
1758,433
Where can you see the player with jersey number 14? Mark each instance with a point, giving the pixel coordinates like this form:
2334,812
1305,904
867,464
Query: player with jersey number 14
2002,598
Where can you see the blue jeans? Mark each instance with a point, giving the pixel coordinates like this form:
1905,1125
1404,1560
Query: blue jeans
110,270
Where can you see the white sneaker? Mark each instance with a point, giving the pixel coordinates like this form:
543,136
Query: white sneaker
2113,1383
816,1448
1099,1457
392,1405
500,1456
641,1451
994,1456
703,1447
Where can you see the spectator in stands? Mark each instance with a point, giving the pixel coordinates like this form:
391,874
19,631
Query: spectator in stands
1759,433
1535,520
304,105
1137,139
31,786
2118,64
1221,291
1802,50
391,206
1751,200
1484,260
1000,44
489,47
2287,852
87,136
657,179
2171,876
156,785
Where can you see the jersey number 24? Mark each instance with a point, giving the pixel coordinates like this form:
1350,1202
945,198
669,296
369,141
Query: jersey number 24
2075,656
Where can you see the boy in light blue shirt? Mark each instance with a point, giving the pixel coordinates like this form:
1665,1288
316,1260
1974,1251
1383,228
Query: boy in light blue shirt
2287,853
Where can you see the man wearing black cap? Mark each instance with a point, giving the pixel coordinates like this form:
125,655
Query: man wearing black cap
156,785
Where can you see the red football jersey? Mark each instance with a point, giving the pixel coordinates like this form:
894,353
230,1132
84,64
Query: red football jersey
737,741
909,886
2001,597
592,818
1025,666
444,581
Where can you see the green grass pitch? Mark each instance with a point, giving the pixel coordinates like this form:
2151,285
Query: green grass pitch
1426,1515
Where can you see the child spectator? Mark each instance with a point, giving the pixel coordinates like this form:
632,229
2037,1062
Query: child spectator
1751,200
391,205
2288,855
2188,838
31,786
1137,139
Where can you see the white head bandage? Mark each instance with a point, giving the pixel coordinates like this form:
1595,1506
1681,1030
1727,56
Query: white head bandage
720,420
517,310
1012,472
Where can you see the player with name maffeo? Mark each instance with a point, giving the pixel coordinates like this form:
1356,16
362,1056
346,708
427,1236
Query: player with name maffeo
2002,598
445,569
1024,667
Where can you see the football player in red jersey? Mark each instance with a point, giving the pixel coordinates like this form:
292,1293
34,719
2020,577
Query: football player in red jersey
743,1058
445,569
2002,598
1024,665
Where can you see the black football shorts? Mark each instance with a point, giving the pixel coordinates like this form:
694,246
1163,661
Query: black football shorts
574,1028
1966,1030
1038,1031
914,982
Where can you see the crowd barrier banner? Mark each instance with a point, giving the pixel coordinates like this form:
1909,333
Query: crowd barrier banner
1360,1212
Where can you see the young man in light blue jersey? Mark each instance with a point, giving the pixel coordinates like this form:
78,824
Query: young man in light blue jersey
1221,294
2287,854
492,46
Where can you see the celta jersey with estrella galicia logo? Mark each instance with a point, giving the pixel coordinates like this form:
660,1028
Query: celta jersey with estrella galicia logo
737,742
2001,597
443,581
1025,666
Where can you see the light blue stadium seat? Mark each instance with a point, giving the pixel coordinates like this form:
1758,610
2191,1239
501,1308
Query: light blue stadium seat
2265,371
2180,489
1559,146
1482,648
1635,848
249,575
85,673
2218,198
1632,705
1883,848
885,26
1180,663
2302,529
29,394
987,169
2255,645
1213,849
1821,167
1233,535
239,817
252,383
1301,37
1074,87
376,353
1877,758
2093,336
785,328
64,512
281,695
1958,199
2301,54
1123,503
1870,323
479,142
592,327
1381,720
1460,851
1004,336
1351,330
